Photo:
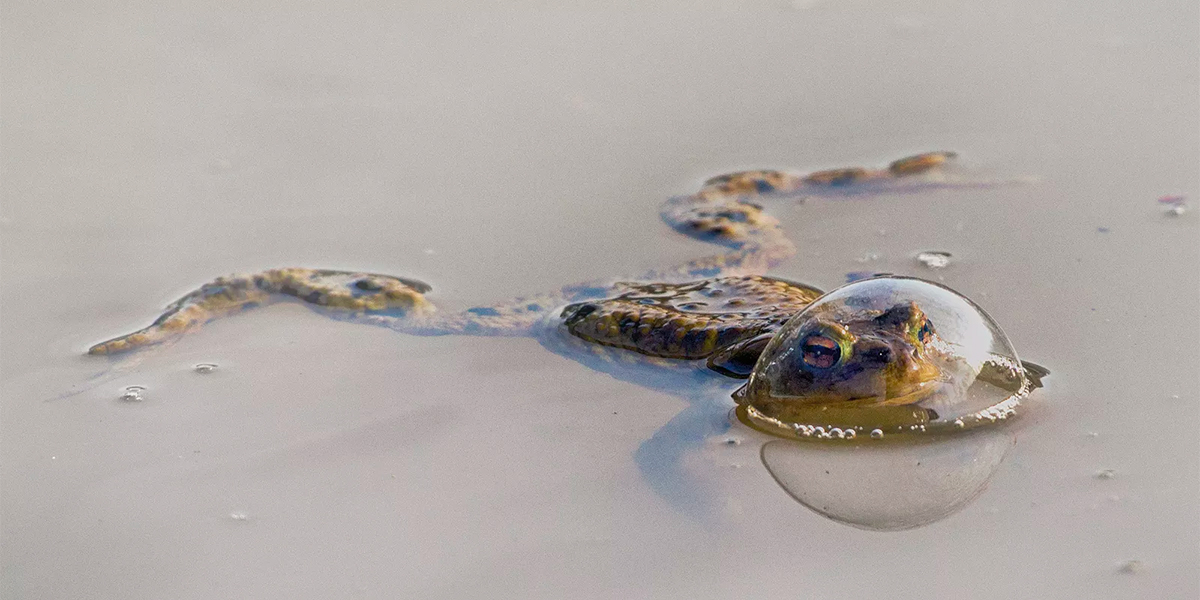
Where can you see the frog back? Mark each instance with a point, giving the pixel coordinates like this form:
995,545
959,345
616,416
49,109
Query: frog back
690,320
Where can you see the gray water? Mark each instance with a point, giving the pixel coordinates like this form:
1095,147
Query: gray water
147,149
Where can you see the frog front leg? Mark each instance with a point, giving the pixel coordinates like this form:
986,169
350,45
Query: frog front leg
728,210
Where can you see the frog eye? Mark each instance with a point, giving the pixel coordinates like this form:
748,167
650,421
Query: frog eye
820,351
926,332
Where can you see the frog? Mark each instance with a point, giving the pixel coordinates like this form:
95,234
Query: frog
717,313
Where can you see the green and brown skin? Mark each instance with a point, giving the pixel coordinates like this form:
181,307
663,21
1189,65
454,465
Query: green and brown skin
720,309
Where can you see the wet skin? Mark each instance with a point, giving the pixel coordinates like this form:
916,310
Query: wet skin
721,309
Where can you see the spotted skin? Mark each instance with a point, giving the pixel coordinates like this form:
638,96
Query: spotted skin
224,296
691,320
698,310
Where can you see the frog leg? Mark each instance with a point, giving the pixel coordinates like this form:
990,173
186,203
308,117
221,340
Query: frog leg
728,210
514,318
224,296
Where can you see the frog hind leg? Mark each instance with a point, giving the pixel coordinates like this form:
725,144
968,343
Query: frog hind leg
349,291
514,318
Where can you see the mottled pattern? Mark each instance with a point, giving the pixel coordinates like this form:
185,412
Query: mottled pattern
689,320
343,290
694,310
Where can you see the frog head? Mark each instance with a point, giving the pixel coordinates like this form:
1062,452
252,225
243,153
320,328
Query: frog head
830,366
882,358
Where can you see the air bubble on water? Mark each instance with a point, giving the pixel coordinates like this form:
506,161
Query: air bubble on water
732,441
876,434
1177,210
204,368
1105,474
868,257
133,393
934,259
959,423
239,516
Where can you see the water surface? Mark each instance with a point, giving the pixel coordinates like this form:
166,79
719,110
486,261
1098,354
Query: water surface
147,149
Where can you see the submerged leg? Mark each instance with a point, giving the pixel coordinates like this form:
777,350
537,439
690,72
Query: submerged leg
349,291
727,210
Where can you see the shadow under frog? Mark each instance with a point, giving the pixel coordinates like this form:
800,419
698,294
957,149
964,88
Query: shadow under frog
685,330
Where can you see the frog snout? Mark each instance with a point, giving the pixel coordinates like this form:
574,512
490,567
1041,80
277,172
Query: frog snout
879,354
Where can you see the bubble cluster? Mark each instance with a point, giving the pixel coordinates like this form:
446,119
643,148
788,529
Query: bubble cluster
132,393
934,259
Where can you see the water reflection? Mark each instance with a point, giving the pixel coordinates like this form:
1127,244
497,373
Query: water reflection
889,486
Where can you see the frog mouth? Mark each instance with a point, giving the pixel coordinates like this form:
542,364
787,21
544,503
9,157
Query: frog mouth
910,394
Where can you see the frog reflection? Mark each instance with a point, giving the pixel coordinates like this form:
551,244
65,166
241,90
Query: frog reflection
889,486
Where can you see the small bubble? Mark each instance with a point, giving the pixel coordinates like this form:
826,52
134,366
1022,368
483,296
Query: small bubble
851,434
934,259
1177,210
429,251
876,434
1103,230
204,368
133,393
1132,567
1105,474
239,516
868,257
732,441
959,423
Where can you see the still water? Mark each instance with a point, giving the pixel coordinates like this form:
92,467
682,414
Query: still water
147,149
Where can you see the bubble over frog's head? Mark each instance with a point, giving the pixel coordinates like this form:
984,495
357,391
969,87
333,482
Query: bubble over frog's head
889,353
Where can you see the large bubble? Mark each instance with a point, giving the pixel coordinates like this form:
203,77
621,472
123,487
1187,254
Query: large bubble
883,357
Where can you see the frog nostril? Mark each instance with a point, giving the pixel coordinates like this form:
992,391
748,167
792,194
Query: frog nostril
368,285
878,354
